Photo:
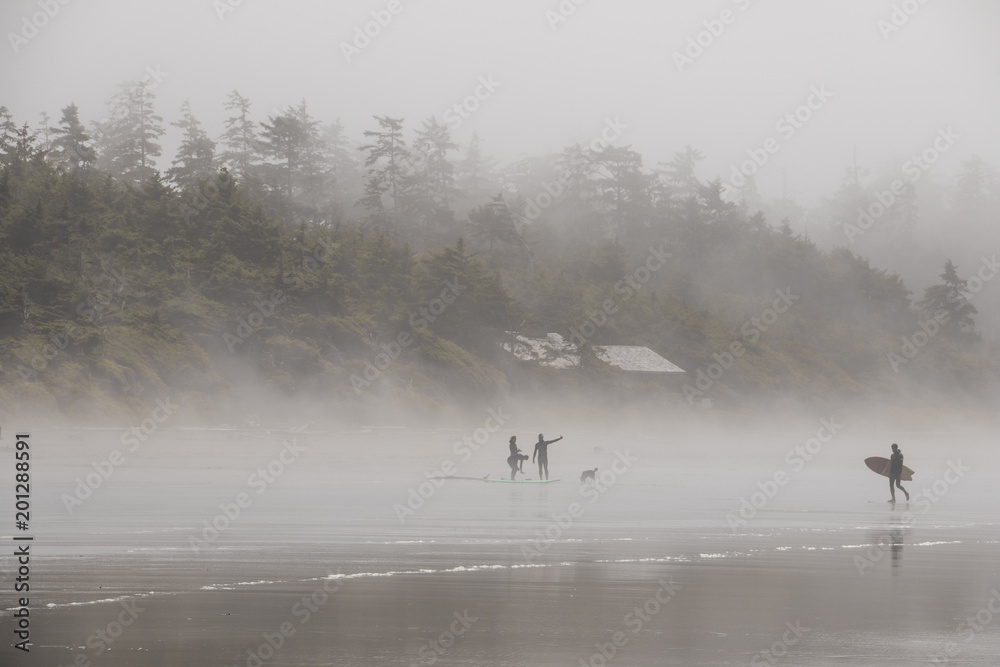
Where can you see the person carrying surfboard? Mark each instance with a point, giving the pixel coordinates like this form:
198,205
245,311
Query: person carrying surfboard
895,472
542,450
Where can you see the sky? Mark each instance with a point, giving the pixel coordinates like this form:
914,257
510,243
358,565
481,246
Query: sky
871,80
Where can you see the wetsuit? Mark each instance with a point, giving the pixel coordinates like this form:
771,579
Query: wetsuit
542,451
513,461
895,473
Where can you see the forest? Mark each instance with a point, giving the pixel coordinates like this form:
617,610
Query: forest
287,263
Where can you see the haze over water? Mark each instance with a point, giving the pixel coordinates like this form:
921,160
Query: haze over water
549,573
269,393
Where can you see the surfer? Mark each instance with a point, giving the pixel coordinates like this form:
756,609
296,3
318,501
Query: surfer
515,459
542,451
895,472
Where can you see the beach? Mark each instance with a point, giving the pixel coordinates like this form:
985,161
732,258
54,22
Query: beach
188,554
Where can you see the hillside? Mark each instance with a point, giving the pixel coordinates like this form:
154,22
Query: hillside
114,296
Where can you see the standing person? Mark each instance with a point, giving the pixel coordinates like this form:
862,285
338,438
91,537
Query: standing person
514,460
542,450
895,472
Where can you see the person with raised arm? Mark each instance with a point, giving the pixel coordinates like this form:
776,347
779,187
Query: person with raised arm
542,451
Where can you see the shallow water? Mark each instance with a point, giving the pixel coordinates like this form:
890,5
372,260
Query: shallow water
652,565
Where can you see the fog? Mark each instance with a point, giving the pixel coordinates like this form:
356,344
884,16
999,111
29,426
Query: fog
267,420
558,80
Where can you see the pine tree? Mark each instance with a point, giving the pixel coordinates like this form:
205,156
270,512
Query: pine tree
621,186
311,176
680,172
481,308
430,181
292,144
71,145
387,162
20,148
240,138
196,155
749,195
577,167
473,174
127,143
949,302
377,217
341,167
45,132
903,217
494,223
714,203
976,184
8,136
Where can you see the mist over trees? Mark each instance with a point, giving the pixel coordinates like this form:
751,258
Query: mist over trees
286,251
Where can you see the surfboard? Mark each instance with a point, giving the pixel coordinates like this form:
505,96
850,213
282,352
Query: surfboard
474,479
500,479
523,481
880,465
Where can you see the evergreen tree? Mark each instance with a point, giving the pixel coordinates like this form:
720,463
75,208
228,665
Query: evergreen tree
311,176
291,143
196,155
577,166
8,136
680,172
240,138
622,188
976,185
472,174
949,301
23,148
749,196
341,167
377,218
481,309
903,217
494,223
757,223
430,181
715,204
45,132
127,142
71,145
847,206
387,164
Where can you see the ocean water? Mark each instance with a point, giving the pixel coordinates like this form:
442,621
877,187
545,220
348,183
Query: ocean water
235,548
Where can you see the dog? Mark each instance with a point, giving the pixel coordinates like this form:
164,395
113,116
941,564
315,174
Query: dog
588,474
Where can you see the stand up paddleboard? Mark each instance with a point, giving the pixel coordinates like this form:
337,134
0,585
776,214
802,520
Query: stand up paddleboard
880,465
501,479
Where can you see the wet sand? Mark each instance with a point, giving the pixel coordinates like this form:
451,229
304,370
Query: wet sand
646,568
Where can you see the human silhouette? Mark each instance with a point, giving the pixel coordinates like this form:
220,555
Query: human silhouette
895,472
542,451
516,458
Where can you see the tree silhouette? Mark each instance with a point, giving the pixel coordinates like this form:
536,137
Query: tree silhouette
387,164
240,138
127,142
196,155
71,145
430,181
949,301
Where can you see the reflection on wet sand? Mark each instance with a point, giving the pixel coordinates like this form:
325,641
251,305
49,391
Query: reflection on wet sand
648,573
